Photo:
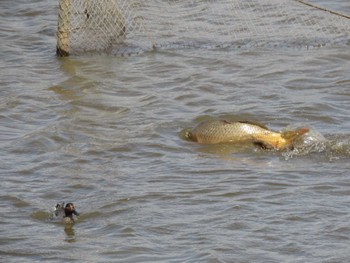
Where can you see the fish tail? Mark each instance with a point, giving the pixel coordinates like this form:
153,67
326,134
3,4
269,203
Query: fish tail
292,135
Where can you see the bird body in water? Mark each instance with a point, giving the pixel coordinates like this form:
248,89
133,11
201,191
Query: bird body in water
66,212
216,131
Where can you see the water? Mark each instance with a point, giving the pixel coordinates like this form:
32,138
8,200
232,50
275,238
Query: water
104,132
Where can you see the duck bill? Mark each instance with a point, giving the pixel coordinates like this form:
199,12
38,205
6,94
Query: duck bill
75,212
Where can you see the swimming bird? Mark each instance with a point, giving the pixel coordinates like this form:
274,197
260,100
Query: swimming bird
216,131
66,212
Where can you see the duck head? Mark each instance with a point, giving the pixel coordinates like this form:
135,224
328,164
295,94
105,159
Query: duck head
69,210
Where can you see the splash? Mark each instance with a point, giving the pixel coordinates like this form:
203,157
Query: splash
330,147
312,142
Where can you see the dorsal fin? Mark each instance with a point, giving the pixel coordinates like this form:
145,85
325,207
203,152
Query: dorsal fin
255,123
227,121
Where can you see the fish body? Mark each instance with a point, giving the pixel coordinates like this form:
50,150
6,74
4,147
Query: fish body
216,131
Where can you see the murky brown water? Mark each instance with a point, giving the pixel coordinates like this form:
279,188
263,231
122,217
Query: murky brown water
104,133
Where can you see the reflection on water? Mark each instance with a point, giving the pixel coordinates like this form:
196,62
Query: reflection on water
69,230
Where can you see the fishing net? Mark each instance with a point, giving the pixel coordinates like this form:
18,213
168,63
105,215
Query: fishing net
128,26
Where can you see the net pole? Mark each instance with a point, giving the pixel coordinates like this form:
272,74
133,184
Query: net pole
64,26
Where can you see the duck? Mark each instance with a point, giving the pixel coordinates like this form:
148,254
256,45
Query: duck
66,212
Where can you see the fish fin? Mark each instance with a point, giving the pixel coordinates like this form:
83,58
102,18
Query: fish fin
227,121
291,135
254,123
263,145
246,122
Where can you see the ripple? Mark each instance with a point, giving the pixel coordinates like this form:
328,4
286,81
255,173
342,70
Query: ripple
106,133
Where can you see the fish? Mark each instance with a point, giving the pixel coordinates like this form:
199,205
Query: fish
216,131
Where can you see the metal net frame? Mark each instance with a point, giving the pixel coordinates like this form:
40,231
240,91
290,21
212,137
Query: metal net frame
127,26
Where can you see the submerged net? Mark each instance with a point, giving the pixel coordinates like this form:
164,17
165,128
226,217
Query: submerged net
128,26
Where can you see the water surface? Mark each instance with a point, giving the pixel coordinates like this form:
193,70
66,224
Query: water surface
104,132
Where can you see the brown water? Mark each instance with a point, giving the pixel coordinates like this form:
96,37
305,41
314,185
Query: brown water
105,133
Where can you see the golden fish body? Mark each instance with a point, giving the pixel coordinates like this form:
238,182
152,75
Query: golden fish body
221,131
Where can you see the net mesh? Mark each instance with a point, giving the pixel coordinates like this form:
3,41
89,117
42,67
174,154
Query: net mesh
128,26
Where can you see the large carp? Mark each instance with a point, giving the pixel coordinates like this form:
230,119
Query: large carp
222,131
